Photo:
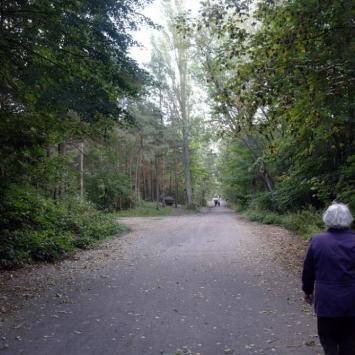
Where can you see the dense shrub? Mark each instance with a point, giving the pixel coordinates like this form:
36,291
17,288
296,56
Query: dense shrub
346,184
34,228
261,201
305,222
146,209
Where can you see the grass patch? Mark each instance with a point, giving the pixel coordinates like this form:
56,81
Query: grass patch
146,209
305,222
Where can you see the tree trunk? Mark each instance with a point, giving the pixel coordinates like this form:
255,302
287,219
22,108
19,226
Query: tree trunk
130,180
187,171
263,172
143,184
162,181
152,181
49,150
157,181
137,193
81,148
175,178
266,177
170,181
61,188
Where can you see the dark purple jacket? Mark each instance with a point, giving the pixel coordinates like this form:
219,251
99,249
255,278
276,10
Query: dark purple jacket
329,270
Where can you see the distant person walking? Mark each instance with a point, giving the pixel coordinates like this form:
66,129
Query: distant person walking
215,201
329,274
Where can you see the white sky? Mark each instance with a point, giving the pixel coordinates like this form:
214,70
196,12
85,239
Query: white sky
155,13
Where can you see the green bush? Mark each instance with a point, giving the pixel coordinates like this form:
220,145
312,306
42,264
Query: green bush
263,216
261,201
146,209
13,250
35,228
346,185
305,222
47,245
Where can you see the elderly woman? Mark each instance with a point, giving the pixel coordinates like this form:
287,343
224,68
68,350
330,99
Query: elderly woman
329,272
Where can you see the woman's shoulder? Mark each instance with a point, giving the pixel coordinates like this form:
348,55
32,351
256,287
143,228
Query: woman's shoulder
320,235
344,231
332,232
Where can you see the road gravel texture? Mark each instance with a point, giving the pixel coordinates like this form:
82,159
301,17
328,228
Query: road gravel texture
210,283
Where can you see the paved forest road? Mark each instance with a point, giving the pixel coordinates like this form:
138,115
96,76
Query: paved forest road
208,284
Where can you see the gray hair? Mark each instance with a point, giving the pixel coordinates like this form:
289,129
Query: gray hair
337,216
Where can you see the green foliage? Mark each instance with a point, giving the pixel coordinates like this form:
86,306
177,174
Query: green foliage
282,76
65,77
306,222
146,209
35,228
346,184
203,163
64,70
235,165
261,201
106,182
109,190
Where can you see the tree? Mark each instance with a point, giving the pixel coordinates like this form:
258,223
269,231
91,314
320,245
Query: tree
64,67
281,78
173,58
65,78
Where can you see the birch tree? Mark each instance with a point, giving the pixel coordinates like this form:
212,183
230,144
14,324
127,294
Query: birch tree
174,53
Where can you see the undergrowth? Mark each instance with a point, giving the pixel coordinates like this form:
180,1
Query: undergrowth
36,228
305,222
146,209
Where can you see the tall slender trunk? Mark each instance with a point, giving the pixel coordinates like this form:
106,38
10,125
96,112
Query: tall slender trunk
49,150
81,148
157,181
50,190
61,187
187,171
136,182
130,180
162,184
170,181
183,102
152,180
138,167
175,178
143,184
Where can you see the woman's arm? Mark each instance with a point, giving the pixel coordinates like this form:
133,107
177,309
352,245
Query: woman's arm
308,274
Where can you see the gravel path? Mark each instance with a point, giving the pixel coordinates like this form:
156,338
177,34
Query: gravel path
209,284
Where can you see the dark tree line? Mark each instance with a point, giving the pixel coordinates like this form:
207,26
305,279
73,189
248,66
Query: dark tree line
64,78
